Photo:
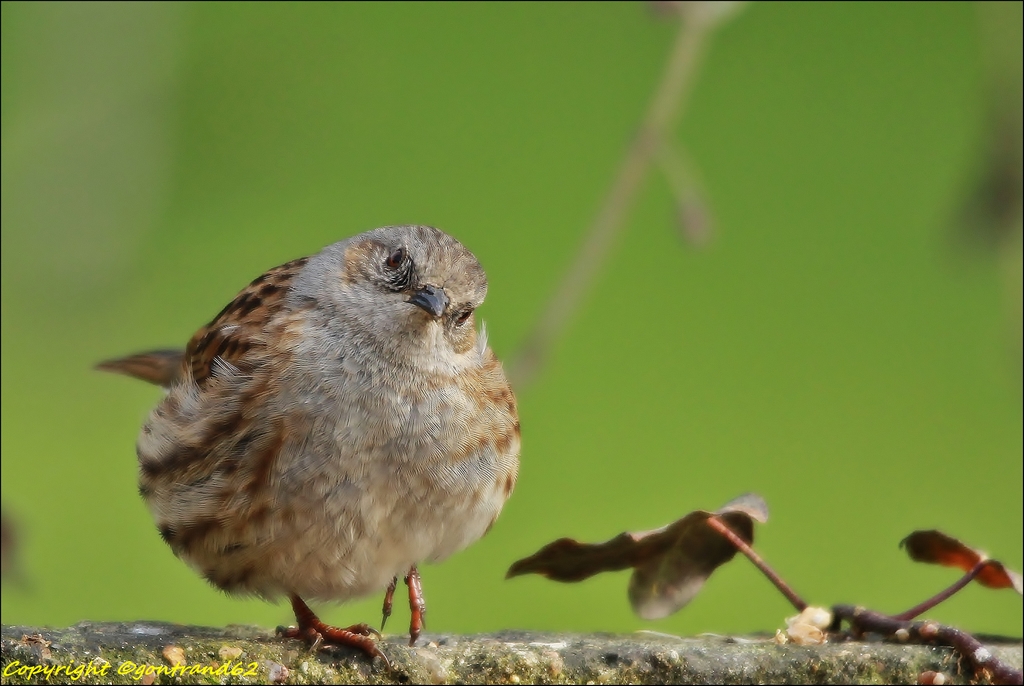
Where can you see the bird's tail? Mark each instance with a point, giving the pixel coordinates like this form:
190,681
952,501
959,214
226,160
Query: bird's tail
160,367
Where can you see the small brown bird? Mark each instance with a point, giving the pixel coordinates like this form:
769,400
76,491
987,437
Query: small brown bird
340,421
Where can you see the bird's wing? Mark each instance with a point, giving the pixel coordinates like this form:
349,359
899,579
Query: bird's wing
208,451
239,327
231,334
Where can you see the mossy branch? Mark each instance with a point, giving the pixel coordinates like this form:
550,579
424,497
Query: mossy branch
251,655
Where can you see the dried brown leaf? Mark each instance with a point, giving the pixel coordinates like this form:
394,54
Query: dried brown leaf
934,547
670,564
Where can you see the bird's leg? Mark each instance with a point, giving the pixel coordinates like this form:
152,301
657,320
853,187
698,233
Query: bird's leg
311,629
417,606
389,595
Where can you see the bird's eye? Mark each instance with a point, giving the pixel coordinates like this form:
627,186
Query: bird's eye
395,259
463,317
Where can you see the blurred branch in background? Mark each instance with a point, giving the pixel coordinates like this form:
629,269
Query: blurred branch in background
991,215
693,214
651,144
8,546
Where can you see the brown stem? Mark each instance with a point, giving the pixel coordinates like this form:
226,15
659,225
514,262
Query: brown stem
741,545
941,596
665,106
981,659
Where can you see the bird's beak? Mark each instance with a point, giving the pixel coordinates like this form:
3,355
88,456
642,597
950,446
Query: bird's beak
431,298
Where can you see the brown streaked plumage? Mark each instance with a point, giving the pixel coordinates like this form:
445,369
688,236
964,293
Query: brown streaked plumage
339,422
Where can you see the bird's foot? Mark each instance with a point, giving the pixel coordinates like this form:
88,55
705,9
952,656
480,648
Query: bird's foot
417,606
317,634
389,596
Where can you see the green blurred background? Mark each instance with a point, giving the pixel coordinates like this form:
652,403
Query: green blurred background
842,346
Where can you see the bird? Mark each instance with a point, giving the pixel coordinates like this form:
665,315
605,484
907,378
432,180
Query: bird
338,423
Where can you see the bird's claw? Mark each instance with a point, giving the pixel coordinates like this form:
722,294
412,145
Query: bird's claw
317,634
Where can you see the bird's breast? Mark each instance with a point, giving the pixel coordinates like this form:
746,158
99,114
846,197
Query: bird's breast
433,458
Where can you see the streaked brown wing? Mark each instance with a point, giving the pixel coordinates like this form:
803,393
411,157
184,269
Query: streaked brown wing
237,328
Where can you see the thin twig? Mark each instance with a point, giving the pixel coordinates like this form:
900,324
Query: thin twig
693,216
668,102
741,545
941,596
982,661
